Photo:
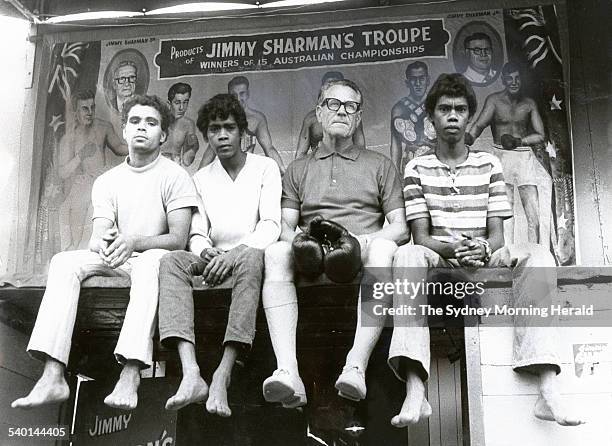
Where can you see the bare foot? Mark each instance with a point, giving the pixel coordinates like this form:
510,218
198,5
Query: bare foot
217,398
407,416
192,389
125,394
47,390
415,406
544,411
549,406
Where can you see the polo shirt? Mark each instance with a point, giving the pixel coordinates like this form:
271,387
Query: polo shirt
457,202
355,188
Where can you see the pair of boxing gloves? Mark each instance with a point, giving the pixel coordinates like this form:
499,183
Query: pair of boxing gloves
508,142
326,247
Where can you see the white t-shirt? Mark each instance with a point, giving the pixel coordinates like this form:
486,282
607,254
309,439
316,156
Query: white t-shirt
245,211
138,199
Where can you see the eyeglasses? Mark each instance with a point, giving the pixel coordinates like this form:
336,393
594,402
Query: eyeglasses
351,107
480,51
123,79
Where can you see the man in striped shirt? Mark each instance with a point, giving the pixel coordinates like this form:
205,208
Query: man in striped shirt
455,203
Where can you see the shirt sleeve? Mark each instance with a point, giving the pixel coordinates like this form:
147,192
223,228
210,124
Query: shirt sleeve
268,227
498,205
199,232
102,200
291,196
390,188
181,192
414,199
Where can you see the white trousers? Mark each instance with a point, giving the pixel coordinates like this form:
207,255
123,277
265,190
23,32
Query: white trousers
52,333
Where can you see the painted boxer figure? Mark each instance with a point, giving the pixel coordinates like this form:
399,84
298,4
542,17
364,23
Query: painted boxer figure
516,125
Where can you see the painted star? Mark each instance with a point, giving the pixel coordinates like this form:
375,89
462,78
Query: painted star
56,122
555,104
562,222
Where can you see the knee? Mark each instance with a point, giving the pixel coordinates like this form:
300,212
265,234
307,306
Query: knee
169,262
148,261
410,256
252,258
379,252
67,261
278,260
252,255
62,258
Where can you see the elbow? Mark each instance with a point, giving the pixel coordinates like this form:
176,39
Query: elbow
180,242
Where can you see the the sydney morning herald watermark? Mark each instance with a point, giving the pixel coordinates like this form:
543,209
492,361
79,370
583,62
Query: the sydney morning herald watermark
464,297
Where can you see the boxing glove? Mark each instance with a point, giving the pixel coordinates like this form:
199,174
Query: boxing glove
308,251
509,142
307,255
342,260
468,139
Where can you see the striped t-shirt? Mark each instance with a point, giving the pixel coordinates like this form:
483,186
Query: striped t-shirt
458,202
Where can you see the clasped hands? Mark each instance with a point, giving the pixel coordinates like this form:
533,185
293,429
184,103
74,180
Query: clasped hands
219,264
118,248
470,251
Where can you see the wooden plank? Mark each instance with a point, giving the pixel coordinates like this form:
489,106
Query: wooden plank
433,396
496,342
502,380
568,296
448,403
474,386
509,421
418,434
458,401
13,354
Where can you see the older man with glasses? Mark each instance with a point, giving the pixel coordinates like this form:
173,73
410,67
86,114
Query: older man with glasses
124,82
479,54
355,187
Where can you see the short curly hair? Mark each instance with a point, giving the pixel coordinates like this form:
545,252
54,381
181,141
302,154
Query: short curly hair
454,85
221,106
151,101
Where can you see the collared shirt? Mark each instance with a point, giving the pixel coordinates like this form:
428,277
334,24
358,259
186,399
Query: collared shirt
355,188
479,78
244,211
458,202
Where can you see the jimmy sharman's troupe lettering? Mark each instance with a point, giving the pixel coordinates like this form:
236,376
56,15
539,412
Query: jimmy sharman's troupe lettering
302,49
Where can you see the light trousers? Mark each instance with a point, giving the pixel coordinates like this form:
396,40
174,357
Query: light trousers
52,333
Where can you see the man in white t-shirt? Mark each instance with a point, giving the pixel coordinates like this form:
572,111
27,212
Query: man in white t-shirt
141,210
238,217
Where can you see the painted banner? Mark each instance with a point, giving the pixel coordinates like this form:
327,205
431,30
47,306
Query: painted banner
301,49
277,75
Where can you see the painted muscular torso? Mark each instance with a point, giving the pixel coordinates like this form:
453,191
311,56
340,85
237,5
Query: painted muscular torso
511,118
249,139
180,135
88,143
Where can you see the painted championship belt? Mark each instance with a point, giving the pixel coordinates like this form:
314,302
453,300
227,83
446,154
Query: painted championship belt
247,144
405,127
428,129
